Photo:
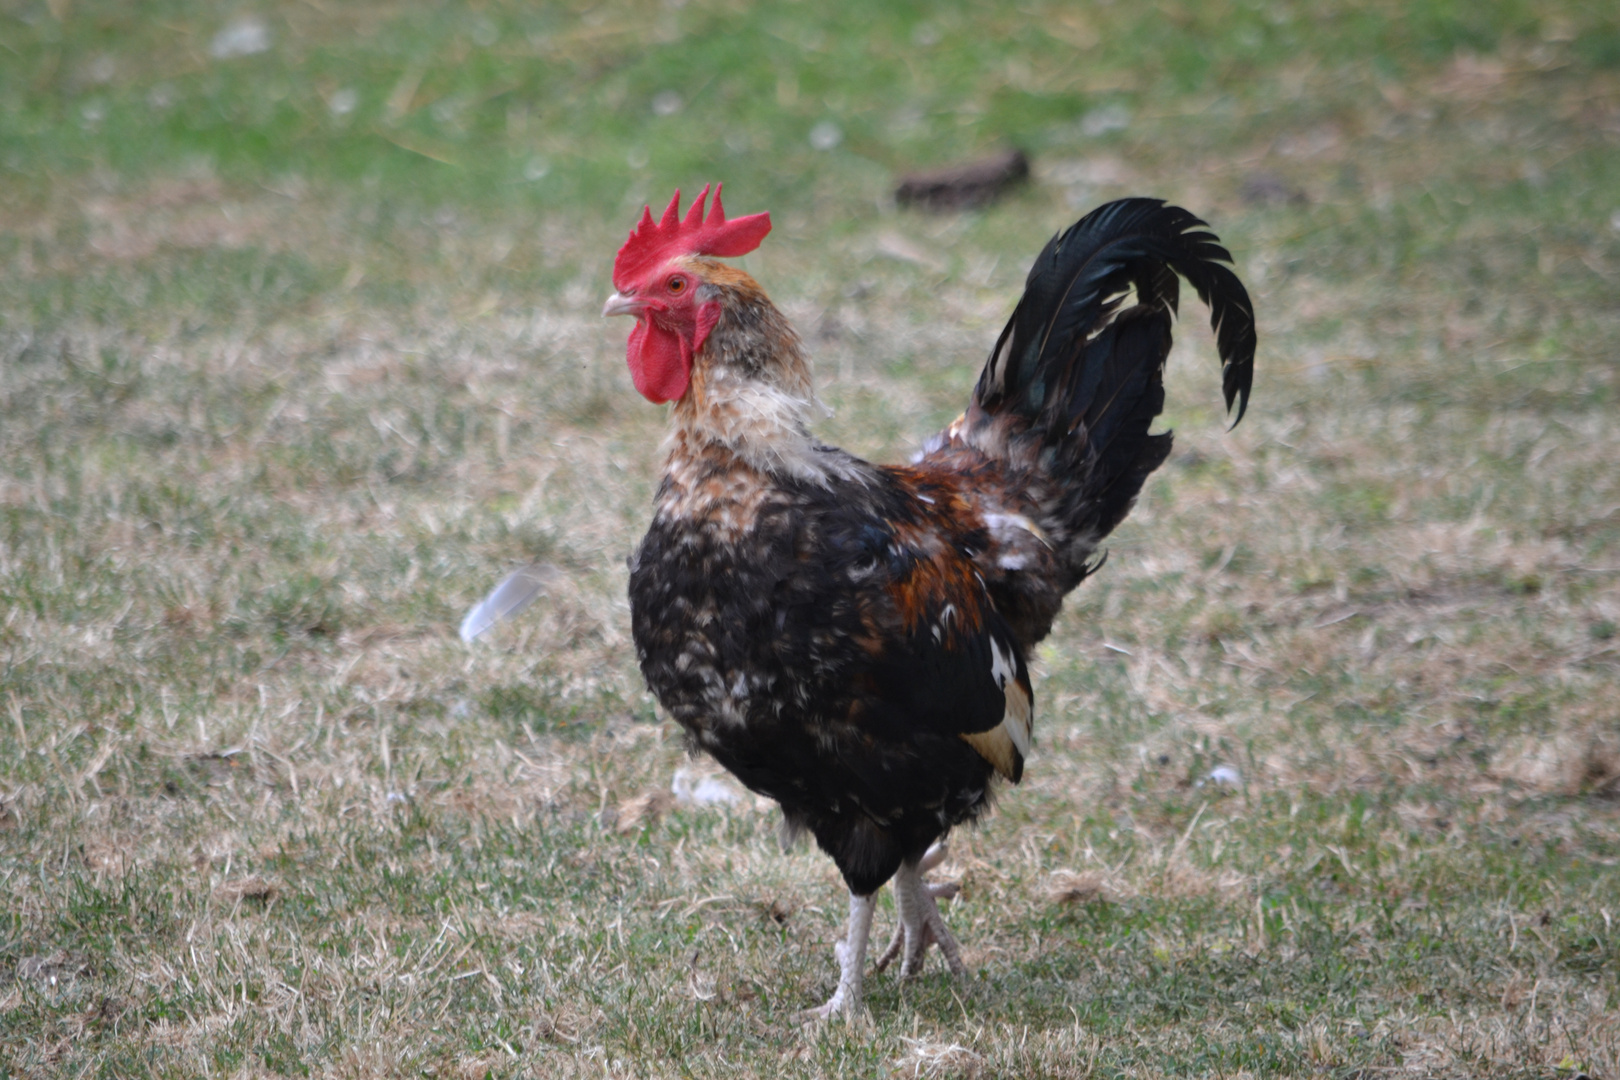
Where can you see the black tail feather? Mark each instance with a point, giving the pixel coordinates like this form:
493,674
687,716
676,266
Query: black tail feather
1077,283
1121,454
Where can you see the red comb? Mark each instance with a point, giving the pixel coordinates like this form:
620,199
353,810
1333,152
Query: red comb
653,243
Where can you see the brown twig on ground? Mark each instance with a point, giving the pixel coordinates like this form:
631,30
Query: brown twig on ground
961,187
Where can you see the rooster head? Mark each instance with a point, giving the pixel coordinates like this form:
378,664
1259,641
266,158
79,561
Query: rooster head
660,285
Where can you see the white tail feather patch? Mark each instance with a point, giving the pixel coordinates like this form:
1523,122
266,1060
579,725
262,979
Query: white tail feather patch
1003,668
1001,523
1007,744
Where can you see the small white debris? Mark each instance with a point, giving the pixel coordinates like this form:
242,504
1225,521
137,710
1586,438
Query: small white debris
447,111
100,71
343,102
244,37
1223,776
826,135
1614,221
699,789
536,168
1105,118
668,103
508,598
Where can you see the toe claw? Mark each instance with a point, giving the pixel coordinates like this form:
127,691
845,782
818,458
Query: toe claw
822,1013
920,922
892,951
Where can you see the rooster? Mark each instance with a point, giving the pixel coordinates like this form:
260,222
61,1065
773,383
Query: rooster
850,639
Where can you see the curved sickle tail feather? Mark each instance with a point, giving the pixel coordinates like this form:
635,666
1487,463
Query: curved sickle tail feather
1077,283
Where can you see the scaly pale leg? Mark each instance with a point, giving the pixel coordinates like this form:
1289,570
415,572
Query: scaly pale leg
920,922
851,952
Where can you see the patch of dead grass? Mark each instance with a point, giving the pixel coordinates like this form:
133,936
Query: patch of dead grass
1083,887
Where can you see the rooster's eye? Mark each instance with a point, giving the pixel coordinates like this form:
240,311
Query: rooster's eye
677,284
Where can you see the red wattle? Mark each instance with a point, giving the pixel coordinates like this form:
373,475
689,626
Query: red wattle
659,365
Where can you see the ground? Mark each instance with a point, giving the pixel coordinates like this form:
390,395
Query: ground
299,356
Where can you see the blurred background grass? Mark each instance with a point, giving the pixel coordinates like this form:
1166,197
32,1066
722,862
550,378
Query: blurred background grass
299,354
567,116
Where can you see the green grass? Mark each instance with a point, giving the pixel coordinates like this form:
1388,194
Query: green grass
299,355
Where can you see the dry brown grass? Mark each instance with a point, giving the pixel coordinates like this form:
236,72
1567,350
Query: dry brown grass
262,812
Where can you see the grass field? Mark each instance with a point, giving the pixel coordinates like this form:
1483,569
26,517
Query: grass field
299,355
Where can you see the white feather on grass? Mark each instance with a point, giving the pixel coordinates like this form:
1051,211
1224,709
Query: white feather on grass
508,598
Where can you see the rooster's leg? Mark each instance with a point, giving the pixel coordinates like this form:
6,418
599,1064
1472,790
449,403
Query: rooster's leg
920,922
851,954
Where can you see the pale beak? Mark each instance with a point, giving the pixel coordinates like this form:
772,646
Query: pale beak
620,304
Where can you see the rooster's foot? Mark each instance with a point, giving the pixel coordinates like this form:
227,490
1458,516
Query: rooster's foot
851,953
920,922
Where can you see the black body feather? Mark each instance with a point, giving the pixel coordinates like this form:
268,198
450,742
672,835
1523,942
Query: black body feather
811,684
